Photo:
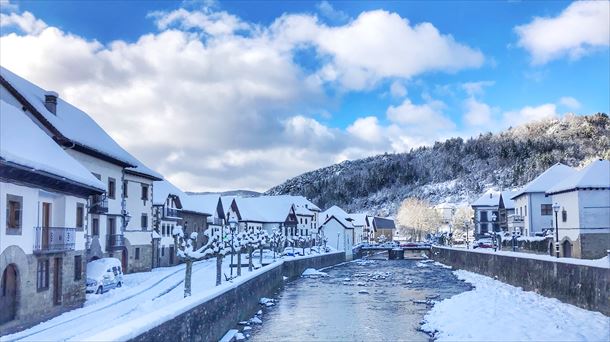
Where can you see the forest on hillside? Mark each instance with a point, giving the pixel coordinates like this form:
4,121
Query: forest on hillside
455,170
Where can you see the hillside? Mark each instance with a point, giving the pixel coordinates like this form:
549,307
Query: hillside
455,170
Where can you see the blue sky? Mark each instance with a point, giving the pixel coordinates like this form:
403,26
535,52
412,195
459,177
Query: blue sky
313,82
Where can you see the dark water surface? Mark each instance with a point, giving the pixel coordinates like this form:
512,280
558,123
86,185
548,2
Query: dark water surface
370,300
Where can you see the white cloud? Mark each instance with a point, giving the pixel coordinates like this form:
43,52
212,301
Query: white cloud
8,6
477,113
26,22
224,109
529,114
569,102
376,45
476,88
398,89
328,11
580,28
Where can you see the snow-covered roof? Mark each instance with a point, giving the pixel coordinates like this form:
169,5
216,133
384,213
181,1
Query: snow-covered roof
359,219
507,197
22,142
595,175
264,208
162,189
383,223
489,199
226,202
547,179
207,203
342,220
334,211
74,124
445,205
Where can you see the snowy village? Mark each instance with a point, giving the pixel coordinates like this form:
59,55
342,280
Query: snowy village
168,184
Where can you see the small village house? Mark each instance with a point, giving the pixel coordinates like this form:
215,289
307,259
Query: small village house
44,195
583,211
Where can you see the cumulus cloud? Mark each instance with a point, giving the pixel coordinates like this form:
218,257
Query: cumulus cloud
578,30
569,102
398,89
213,102
529,113
477,113
328,11
476,88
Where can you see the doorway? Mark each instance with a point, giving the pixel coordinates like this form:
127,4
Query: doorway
8,298
567,249
57,272
46,223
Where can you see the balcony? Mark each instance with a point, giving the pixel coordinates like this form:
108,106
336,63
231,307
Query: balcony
53,239
99,204
214,221
170,213
115,241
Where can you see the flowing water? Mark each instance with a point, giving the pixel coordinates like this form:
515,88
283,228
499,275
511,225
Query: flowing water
364,300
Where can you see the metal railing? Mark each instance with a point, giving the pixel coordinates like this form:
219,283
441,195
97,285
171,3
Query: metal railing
115,241
99,204
54,239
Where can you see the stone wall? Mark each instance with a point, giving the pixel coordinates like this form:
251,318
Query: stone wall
212,319
545,246
594,246
144,262
36,305
580,285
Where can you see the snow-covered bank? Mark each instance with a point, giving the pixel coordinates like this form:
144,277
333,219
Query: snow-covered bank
495,311
603,262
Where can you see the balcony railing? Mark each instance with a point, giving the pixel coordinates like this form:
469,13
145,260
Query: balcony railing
115,241
215,221
170,213
54,239
99,204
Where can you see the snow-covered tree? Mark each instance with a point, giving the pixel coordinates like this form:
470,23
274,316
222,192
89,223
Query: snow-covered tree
276,241
303,242
185,250
239,244
255,238
381,238
417,217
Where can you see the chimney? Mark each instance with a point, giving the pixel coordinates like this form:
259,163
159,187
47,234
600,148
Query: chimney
50,101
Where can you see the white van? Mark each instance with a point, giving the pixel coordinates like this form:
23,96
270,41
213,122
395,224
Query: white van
103,275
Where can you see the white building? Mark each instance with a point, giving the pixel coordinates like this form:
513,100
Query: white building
533,208
166,206
446,212
486,213
92,147
583,217
44,194
338,228
269,213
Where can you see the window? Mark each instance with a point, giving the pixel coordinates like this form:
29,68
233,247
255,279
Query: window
111,226
42,275
546,209
144,192
564,215
95,226
144,222
80,216
111,188
125,188
162,251
525,211
301,220
483,216
78,267
14,206
483,228
137,257
162,230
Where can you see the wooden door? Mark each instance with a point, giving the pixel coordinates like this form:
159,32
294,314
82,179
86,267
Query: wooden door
46,223
8,294
57,271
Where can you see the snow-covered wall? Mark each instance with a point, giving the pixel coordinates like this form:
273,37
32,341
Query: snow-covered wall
572,282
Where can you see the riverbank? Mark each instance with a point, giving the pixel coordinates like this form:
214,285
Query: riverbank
583,283
495,311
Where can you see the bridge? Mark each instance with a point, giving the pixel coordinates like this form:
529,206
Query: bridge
395,252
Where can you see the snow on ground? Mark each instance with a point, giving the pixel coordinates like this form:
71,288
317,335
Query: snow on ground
313,273
145,300
603,262
495,311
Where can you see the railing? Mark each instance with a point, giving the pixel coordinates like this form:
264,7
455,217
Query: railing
53,239
115,241
170,213
515,219
215,221
99,204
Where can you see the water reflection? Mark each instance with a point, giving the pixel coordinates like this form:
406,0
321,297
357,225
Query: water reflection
373,300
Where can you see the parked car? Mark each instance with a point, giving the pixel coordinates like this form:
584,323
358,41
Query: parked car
103,275
483,243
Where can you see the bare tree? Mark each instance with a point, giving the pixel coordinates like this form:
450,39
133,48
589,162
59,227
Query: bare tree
416,217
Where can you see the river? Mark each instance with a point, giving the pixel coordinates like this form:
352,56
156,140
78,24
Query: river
363,300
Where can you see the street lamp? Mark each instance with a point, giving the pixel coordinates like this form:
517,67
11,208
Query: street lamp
233,227
451,227
556,207
493,231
